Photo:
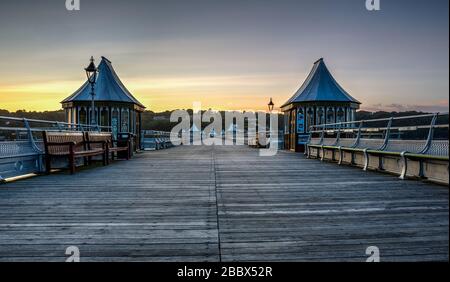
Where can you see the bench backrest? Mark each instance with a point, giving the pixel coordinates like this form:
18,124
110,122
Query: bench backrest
329,141
374,144
410,146
438,148
315,141
347,142
63,137
98,137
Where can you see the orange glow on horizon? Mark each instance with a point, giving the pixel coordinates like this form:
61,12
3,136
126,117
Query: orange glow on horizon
158,95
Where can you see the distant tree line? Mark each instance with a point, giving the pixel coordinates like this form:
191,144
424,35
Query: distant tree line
161,121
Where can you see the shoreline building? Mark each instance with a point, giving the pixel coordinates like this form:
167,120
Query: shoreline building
319,100
115,106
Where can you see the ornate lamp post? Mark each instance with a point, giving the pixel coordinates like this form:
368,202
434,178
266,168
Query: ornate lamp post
91,73
271,105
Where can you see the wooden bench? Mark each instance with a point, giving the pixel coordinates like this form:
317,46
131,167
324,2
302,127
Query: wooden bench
418,150
71,145
111,144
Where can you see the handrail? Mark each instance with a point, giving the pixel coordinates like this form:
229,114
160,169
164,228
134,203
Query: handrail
417,140
386,131
377,120
58,124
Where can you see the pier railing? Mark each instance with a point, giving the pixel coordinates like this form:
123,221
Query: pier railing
267,138
155,140
374,143
21,143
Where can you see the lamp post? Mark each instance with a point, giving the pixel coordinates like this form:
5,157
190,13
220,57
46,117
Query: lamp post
271,105
91,73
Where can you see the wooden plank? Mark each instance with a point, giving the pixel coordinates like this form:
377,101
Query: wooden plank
198,203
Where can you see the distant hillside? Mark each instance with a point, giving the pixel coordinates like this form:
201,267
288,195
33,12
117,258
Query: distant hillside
47,115
362,115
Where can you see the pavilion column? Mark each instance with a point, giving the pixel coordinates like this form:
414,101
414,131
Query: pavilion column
335,114
134,121
108,116
72,118
86,121
66,113
98,118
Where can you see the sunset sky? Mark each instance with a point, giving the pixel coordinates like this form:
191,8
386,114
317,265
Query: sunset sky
227,54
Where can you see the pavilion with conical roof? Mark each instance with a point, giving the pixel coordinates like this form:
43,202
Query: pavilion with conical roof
115,106
319,100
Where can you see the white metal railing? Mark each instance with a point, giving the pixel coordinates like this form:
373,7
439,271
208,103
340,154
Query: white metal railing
418,136
155,140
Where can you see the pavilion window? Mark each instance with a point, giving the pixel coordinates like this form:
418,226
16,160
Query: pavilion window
340,115
125,122
300,121
349,114
115,122
104,116
83,116
309,118
330,115
320,115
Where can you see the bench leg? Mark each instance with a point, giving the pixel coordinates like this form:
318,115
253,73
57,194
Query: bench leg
104,159
405,166
107,156
48,164
72,164
380,162
366,160
341,156
421,169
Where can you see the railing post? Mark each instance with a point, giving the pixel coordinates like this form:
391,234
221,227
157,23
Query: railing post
58,124
430,134
358,137
307,144
322,136
33,145
30,136
388,133
428,143
405,165
338,136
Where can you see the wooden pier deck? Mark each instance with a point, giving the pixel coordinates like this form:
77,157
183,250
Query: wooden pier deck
198,203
